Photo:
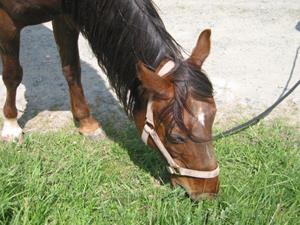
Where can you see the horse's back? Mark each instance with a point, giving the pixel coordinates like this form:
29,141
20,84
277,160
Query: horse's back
31,12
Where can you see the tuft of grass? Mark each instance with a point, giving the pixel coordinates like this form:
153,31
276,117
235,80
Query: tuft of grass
62,178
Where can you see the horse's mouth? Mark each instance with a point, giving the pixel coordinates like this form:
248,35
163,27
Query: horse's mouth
202,196
195,194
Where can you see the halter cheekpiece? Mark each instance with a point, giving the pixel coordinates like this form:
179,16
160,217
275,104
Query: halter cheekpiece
149,130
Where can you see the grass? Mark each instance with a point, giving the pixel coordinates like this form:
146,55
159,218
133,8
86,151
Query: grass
62,178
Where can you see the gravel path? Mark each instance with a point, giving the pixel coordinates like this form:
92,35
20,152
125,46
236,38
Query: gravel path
254,45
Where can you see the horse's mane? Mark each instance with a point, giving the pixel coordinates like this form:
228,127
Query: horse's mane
122,32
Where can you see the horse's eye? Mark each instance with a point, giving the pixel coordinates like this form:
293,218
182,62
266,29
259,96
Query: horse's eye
177,139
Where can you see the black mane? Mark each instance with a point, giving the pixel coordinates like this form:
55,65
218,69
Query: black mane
122,32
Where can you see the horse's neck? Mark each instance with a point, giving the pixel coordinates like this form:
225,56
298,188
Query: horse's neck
120,34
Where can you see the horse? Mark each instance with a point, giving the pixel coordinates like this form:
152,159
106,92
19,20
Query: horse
169,98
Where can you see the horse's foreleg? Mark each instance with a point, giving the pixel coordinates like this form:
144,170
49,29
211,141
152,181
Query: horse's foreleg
12,76
66,37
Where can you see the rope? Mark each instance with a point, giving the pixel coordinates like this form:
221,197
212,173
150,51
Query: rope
257,118
265,113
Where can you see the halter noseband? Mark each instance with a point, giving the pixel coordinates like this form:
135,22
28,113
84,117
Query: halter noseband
149,130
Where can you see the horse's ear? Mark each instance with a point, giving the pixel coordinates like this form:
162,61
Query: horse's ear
153,82
202,49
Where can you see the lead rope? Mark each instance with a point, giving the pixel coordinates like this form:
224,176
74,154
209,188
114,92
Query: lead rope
257,118
174,168
265,113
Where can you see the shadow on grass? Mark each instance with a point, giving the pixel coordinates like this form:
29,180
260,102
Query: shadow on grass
46,90
146,158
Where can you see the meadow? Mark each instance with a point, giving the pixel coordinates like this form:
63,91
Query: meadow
63,178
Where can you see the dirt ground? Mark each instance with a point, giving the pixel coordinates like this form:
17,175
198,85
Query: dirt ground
254,48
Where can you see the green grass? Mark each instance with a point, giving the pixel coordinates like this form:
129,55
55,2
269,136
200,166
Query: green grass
62,178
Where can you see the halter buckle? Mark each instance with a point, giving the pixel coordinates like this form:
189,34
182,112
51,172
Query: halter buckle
173,170
148,129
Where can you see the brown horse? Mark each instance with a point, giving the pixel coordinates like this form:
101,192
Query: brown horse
169,98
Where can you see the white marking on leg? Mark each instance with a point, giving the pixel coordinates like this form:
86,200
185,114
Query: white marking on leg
11,130
201,118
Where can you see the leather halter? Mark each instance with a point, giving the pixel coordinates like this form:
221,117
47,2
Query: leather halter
149,130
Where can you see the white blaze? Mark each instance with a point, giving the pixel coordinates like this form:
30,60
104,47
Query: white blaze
201,118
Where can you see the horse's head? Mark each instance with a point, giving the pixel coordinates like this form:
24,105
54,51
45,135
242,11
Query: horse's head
179,108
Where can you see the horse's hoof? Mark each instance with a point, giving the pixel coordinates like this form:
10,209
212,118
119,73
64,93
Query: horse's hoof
11,131
98,134
13,138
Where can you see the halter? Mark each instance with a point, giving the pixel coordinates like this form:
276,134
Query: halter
149,130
